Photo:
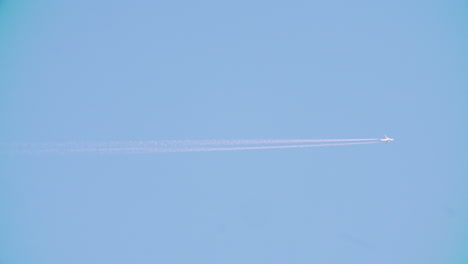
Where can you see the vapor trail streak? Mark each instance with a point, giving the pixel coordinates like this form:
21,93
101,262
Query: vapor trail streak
174,143
244,141
259,141
153,149
267,147
182,145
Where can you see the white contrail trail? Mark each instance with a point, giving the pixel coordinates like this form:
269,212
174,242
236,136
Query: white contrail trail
161,149
188,142
257,141
184,145
247,141
265,147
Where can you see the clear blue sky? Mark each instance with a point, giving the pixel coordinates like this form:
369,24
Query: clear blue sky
156,70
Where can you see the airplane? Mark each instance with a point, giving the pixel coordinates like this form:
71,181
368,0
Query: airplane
386,139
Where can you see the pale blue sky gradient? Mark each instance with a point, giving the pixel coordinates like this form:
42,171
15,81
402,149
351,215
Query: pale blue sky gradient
161,70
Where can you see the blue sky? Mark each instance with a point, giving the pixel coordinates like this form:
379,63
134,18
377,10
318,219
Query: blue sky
162,70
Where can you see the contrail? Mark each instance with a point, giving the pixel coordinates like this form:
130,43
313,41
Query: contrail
248,141
267,147
171,146
173,143
257,141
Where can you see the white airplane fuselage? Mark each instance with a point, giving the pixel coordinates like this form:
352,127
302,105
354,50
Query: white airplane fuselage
386,139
